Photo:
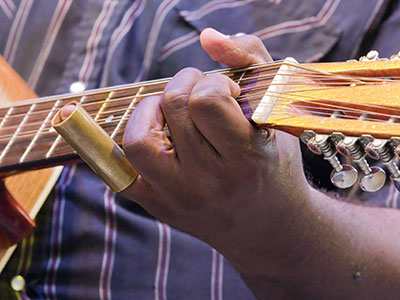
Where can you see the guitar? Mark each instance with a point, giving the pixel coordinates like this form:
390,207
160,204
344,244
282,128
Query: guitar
25,191
347,108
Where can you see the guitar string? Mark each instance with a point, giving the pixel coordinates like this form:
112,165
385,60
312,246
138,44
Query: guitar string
318,75
264,67
257,77
138,85
254,95
64,148
111,101
339,83
62,145
284,102
134,89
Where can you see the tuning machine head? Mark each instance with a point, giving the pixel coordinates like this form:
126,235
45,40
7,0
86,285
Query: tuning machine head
338,140
395,56
308,138
373,181
395,144
371,146
342,176
371,56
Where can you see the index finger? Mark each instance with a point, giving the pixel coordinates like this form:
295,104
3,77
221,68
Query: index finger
218,116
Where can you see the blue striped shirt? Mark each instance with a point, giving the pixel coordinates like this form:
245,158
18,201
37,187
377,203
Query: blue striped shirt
93,244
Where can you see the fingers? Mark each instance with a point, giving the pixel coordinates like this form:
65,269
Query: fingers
186,138
150,151
147,197
67,110
234,51
218,116
145,143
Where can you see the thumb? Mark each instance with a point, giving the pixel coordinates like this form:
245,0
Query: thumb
234,51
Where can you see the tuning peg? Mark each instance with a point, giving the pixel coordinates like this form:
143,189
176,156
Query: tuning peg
379,149
367,141
342,176
395,56
373,181
371,56
395,145
374,177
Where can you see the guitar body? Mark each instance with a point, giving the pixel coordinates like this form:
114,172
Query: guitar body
29,189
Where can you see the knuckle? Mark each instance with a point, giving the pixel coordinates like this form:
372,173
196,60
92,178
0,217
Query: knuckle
174,99
258,49
254,40
136,143
190,71
210,98
223,79
207,100
176,94
133,147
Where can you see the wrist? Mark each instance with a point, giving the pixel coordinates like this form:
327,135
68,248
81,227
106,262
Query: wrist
272,233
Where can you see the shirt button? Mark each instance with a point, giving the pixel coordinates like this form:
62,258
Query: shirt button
77,87
18,283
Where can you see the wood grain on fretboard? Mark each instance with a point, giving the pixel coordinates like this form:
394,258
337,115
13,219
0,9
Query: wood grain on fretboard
28,141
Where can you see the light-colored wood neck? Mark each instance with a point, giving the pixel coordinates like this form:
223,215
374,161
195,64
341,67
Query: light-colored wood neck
26,138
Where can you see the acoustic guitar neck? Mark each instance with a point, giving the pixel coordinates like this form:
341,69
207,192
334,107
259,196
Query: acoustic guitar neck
348,108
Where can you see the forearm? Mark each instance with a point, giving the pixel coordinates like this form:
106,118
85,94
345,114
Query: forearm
243,191
330,250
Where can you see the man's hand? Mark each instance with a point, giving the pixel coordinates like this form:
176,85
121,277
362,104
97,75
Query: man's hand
220,178
243,191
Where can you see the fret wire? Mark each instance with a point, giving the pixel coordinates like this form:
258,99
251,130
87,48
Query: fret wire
131,105
53,146
98,102
260,78
244,89
241,77
316,111
10,110
32,143
136,85
105,110
103,106
58,138
250,97
244,96
11,141
260,66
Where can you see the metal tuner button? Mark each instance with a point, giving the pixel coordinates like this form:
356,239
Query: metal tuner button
344,178
373,181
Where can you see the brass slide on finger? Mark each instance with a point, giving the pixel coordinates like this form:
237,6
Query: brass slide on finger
92,143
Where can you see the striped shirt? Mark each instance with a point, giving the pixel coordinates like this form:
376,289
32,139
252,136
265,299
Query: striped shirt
93,244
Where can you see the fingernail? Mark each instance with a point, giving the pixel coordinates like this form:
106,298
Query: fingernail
221,34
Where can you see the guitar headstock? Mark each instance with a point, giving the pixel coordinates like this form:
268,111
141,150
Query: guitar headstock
349,108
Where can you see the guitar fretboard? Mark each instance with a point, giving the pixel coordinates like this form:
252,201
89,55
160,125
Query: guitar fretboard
28,140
